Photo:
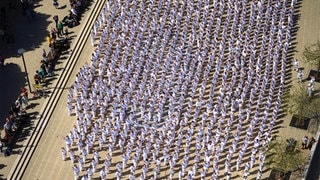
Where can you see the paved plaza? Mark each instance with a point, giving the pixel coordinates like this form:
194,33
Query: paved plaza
32,37
50,115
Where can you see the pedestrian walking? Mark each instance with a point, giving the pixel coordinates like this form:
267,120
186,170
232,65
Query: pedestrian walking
55,4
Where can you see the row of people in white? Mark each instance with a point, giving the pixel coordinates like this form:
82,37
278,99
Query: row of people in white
153,70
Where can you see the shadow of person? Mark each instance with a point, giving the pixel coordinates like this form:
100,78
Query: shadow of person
2,166
62,7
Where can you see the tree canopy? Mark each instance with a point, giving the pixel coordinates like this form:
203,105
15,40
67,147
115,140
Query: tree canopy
285,156
311,54
302,105
299,101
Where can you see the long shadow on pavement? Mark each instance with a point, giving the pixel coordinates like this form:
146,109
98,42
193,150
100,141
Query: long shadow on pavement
28,34
11,79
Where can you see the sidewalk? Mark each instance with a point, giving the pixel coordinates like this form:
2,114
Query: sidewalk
30,36
308,33
308,26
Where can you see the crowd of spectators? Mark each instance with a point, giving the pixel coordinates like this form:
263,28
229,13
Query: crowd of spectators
16,115
58,41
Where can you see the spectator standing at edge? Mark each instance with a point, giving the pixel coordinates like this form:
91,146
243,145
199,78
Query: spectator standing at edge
311,142
44,54
60,29
56,20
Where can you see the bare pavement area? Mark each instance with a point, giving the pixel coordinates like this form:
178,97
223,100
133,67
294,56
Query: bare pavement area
45,161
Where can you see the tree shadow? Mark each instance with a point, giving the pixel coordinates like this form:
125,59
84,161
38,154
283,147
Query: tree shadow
13,78
31,37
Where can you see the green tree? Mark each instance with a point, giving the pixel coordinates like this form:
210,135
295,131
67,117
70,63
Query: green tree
303,106
314,110
311,54
299,102
285,156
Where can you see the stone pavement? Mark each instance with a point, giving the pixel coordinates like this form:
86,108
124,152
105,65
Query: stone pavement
46,162
307,33
32,37
48,152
